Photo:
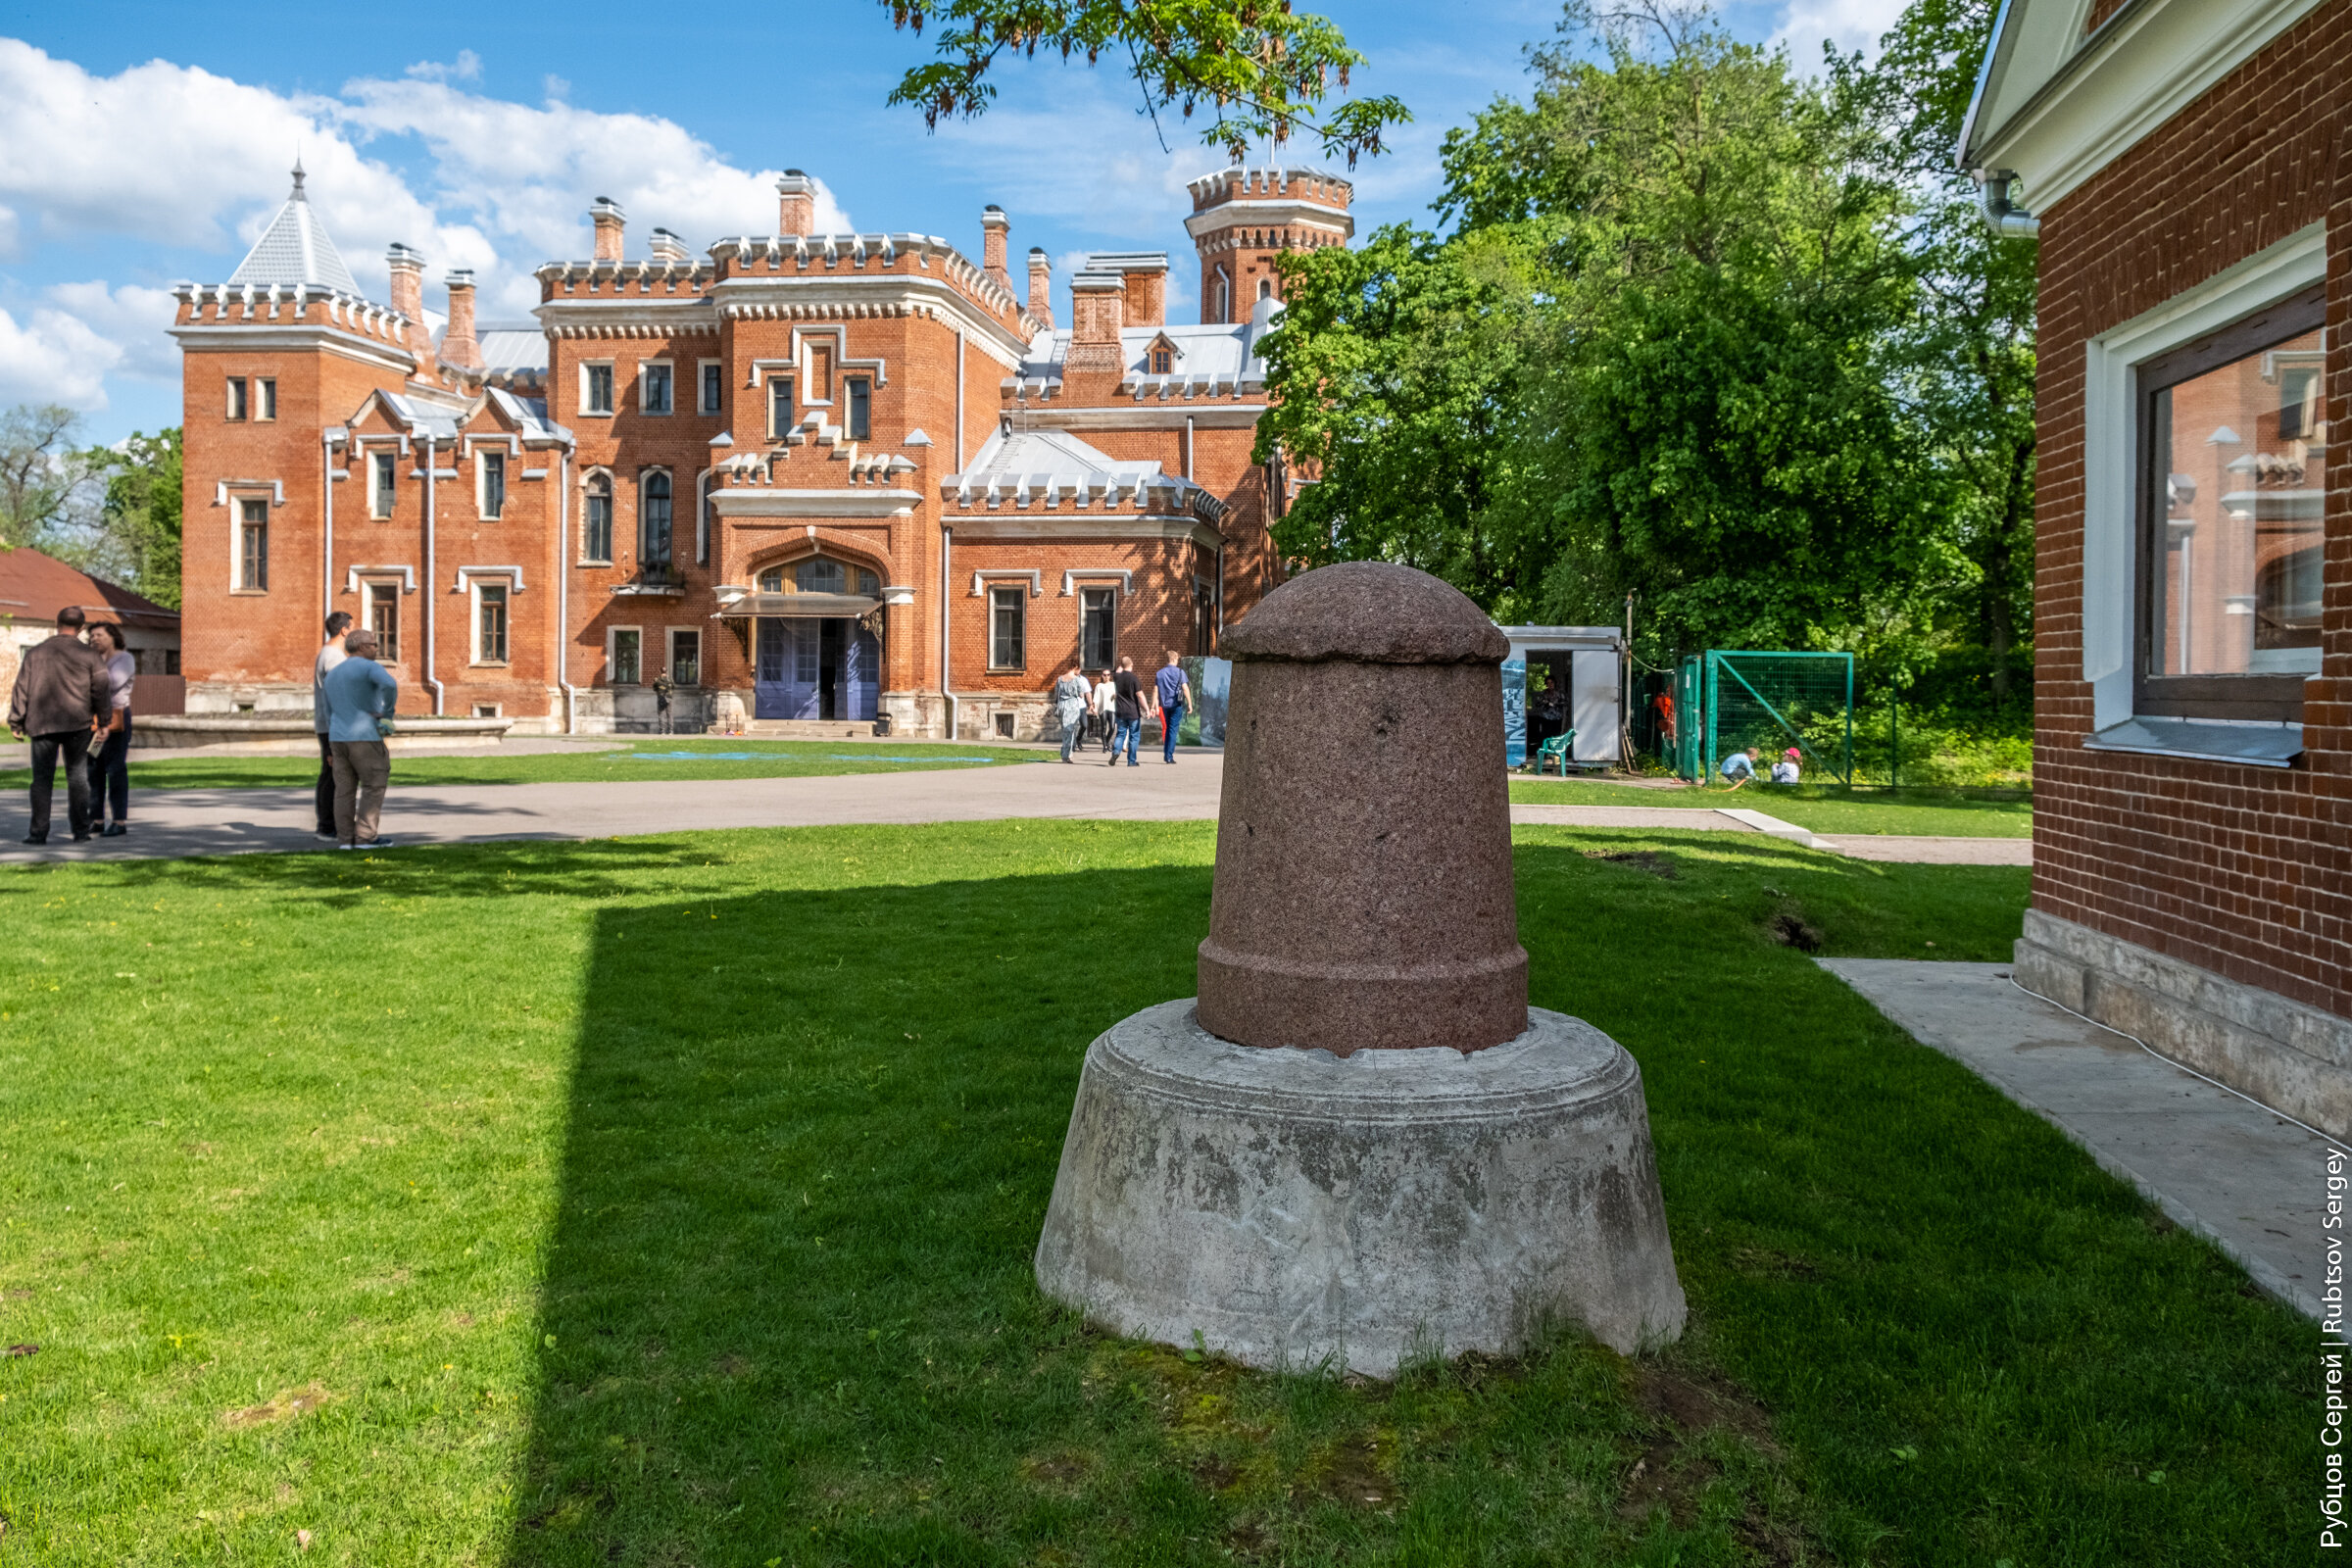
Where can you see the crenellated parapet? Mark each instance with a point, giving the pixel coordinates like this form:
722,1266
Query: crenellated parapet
289,305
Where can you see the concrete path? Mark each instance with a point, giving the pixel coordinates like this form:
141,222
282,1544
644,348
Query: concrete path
2249,1181
231,822
1936,851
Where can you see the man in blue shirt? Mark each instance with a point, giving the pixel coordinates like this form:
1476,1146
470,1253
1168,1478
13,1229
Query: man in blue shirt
1175,696
359,692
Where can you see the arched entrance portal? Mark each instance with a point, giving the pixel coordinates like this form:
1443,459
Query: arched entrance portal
816,650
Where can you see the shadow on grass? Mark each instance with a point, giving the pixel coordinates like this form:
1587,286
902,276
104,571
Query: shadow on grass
788,1312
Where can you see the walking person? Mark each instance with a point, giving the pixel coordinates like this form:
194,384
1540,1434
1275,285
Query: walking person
1069,708
1130,704
1106,711
110,755
60,701
330,655
1175,696
359,697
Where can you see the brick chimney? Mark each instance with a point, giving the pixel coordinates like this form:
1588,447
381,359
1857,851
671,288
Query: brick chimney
1041,286
1098,303
606,214
665,246
459,346
1147,291
995,227
407,265
796,203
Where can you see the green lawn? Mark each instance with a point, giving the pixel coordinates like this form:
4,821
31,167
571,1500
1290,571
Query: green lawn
578,1203
1825,808
637,756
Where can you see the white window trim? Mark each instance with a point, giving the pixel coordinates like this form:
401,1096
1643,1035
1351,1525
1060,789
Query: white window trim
406,576
670,652
706,481
587,412
645,387
254,398
471,581
481,483
587,477
612,642
2110,440
236,540
1033,578
1071,578
989,646
702,368
233,390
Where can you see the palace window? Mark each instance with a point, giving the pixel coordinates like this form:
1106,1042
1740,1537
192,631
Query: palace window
1097,627
685,656
654,388
264,397
652,520
596,389
1162,361
2233,432
596,521
779,407
490,624
383,618
491,474
861,407
236,397
626,666
701,516
384,475
714,385
1005,641
253,546
818,576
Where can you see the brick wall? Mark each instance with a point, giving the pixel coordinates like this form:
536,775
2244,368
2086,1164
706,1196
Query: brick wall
2245,872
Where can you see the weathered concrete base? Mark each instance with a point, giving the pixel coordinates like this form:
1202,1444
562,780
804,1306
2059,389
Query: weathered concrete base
2289,1057
1294,1208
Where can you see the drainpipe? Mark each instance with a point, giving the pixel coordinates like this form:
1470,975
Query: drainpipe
571,693
1188,446
432,583
2007,222
947,577
327,484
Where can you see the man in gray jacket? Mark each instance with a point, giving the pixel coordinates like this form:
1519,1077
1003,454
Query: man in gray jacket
60,701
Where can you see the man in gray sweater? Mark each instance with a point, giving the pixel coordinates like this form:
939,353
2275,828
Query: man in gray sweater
338,625
60,701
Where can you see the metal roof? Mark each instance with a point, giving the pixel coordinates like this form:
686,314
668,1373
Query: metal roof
295,250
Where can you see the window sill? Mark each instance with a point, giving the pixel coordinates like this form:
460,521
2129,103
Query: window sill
601,566
1006,670
249,593
2254,745
491,663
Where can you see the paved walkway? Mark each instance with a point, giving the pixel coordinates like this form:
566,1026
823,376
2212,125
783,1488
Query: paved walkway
231,821
2249,1181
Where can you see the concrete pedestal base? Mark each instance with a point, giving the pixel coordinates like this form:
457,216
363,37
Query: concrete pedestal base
1294,1209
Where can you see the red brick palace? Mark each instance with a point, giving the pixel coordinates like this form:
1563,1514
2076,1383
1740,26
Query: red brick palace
824,476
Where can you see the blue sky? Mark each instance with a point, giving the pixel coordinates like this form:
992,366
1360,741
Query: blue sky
141,144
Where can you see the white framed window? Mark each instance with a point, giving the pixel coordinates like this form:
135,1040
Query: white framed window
490,484
253,546
596,387
264,397
625,657
656,392
1007,628
383,482
686,656
654,531
1098,627
383,618
713,386
490,628
860,419
779,407
488,711
704,484
238,404
596,520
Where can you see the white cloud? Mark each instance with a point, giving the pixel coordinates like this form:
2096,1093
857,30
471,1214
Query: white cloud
54,357
1849,23
468,67
133,318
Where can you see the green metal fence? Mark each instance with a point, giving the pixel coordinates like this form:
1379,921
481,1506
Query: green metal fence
1729,700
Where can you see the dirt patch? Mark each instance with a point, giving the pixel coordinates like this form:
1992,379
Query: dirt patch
1065,1469
1683,1408
1216,1473
282,1406
1650,861
731,1366
1351,1476
1792,930
1765,1263
1246,1541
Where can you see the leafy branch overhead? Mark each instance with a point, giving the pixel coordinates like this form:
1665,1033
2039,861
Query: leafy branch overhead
1258,69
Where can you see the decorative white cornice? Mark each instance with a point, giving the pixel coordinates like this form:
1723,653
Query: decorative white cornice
747,501
235,338
1149,417
887,296
465,575
1278,213
1101,527
2057,108
1032,576
1071,578
276,487
627,317
406,574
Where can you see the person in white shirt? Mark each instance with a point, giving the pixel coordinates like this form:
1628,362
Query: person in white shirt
1786,770
1106,718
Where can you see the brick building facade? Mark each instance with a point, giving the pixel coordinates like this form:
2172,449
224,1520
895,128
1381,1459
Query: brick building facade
802,476
2191,165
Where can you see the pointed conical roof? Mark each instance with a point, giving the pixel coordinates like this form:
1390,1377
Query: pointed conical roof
294,249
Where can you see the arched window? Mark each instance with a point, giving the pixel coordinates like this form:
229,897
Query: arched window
771,581
818,576
701,516
1266,288
1224,295
653,522
868,585
596,519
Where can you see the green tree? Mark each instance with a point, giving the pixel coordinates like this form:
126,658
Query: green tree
1260,70
141,515
45,479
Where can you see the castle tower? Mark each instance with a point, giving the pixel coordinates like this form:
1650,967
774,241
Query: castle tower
1243,218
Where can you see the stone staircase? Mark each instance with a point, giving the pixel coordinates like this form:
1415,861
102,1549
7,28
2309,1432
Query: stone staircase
810,729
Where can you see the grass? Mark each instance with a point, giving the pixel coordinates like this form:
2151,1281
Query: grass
646,757
671,1200
1822,807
